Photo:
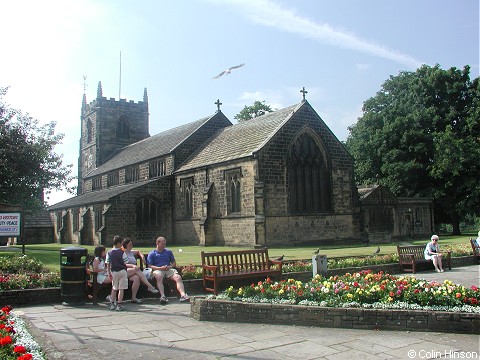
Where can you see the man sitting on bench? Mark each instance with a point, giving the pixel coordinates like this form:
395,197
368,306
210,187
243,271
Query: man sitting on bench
162,262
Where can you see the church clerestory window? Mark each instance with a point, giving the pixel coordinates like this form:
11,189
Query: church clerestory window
234,193
147,213
308,174
156,169
132,175
123,129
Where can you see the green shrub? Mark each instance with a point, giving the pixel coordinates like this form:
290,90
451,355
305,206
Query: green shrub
20,264
22,272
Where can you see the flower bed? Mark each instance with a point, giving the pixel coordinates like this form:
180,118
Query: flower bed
15,341
359,300
361,289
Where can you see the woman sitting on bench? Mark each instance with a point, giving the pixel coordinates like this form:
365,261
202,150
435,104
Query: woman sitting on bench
432,252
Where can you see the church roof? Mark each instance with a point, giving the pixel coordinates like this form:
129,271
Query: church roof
98,196
37,219
240,140
153,147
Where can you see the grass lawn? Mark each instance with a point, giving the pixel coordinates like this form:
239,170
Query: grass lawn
49,254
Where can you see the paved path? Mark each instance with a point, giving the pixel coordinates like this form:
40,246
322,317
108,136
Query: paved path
153,331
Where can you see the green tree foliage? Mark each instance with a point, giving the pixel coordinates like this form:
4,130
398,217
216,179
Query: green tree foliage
258,108
28,163
420,135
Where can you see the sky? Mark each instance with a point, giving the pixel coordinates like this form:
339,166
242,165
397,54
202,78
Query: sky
341,51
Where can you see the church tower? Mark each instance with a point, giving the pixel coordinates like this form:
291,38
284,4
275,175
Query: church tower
106,126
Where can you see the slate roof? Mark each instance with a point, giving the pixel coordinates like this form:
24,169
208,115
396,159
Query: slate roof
366,190
240,140
98,196
155,146
38,219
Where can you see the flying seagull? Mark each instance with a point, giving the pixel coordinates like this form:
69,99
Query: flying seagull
228,71
377,251
316,251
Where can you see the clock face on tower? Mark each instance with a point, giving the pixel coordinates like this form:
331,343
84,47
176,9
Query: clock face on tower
89,160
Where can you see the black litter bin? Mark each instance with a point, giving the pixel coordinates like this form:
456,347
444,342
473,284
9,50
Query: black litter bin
73,276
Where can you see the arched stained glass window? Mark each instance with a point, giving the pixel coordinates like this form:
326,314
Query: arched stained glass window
308,174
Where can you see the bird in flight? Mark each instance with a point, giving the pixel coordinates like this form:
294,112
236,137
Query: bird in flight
377,251
316,251
228,71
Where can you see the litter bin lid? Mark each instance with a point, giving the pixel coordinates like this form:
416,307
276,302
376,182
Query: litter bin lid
74,250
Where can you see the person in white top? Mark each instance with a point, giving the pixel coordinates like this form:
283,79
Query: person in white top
99,265
432,252
134,272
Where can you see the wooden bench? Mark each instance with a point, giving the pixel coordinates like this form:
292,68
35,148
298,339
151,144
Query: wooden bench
476,250
241,264
93,287
413,255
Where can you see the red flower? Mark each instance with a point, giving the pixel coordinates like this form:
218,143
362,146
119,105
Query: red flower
6,340
25,357
19,349
391,294
7,309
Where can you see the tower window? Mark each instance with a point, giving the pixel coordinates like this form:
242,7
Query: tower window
308,176
89,131
123,129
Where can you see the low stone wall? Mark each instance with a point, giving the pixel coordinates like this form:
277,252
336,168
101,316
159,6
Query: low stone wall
31,296
350,318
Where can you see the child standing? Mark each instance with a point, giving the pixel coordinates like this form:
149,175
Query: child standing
117,271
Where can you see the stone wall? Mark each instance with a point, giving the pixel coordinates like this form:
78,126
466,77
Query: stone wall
349,318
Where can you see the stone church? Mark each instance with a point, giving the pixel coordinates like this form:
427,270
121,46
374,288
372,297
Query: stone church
279,179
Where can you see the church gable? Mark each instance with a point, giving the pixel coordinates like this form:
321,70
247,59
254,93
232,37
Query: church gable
376,195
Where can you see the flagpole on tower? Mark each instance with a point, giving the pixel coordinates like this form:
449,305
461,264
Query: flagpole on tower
120,78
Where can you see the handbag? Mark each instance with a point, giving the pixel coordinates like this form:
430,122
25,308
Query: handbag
148,273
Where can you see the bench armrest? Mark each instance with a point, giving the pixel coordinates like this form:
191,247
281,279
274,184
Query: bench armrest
279,263
407,257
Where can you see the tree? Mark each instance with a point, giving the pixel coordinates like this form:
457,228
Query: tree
28,164
420,136
258,108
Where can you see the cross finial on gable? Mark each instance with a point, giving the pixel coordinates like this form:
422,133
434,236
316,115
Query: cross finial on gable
304,92
218,103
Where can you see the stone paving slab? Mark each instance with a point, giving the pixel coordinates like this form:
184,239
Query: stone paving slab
152,331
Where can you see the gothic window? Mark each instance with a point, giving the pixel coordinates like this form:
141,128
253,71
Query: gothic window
113,179
187,192
132,175
59,220
97,183
308,176
156,169
123,129
98,217
147,212
234,194
76,217
89,131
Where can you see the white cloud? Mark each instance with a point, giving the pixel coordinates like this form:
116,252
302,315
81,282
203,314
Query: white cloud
268,13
